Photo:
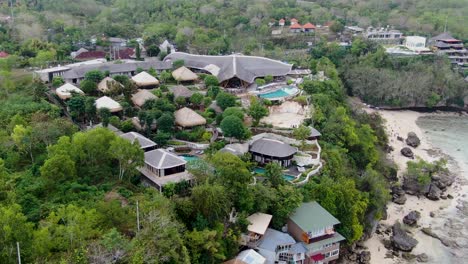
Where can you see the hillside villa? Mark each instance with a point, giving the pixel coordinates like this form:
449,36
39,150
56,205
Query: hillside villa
145,143
162,167
259,223
266,150
145,80
141,97
446,44
66,91
315,227
187,118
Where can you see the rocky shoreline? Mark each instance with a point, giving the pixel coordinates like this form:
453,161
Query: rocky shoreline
407,233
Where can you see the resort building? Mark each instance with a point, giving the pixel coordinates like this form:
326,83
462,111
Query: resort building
315,227
308,27
145,143
187,118
162,167
295,28
166,46
446,44
75,73
279,247
66,91
259,223
232,71
416,44
181,91
267,150
145,80
314,134
384,35
281,22
109,103
140,98
90,55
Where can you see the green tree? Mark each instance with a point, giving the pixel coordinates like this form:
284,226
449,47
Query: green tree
232,126
58,169
213,91
211,201
178,63
166,123
128,155
204,246
257,111
152,50
234,111
15,228
57,81
88,86
181,101
77,107
286,201
301,133
225,100
165,76
94,76
104,115
24,140
211,80
274,173
196,99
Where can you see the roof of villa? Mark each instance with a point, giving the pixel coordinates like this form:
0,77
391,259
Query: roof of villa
296,26
273,238
103,85
181,91
145,79
109,103
162,159
246,68
250,256
184,74
186,117
314,132
140,98
65,91
143,141
311,216
309,26
259,223
272,147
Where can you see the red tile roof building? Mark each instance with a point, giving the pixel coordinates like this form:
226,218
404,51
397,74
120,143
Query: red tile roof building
91,55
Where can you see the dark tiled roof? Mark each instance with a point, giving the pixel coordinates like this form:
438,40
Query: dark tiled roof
162,159
142,141
272,147
124,54
91,55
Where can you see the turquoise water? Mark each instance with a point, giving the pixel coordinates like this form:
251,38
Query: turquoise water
287,177
283,92
189,157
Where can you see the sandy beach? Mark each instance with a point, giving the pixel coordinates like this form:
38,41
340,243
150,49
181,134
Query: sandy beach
400,123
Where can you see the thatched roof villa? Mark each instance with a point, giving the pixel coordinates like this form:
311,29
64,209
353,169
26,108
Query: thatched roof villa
106,84
109,103
145,80
65,91
140,98
186,117
184,74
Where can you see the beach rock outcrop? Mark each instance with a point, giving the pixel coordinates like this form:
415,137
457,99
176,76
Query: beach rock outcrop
422,258
364,257
413,140
407,152
412,218
398,195
443,180
434,192
401,240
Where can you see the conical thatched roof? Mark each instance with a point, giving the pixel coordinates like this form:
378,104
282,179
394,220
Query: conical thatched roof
186,117
184,74
65,91
145,79
142,96
105,85
181,91
109,103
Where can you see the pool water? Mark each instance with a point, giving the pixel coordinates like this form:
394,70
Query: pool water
189,157
285,176
283,92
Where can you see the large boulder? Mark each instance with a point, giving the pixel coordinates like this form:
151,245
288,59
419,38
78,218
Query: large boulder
412,218
407,152
398,195
413,186
443,179
365,257
401,240
434,192
413,140
422,258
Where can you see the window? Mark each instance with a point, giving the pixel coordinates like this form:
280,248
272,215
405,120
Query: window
335,252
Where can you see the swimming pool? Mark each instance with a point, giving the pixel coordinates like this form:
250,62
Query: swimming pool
287,177
280,93
189,157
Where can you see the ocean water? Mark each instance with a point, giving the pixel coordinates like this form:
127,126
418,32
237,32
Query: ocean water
450,135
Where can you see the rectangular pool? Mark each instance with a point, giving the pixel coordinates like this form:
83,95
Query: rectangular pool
287,177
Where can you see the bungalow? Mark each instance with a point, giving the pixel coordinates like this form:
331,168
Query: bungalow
140,98
279,247
267,150
145,143
181,91
259,223
314,134
107,84
233,70
294,21
145,80
166,46
184,74
308,27
109,103
162,167
295,28
281,22
186,118
314,226
66,91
